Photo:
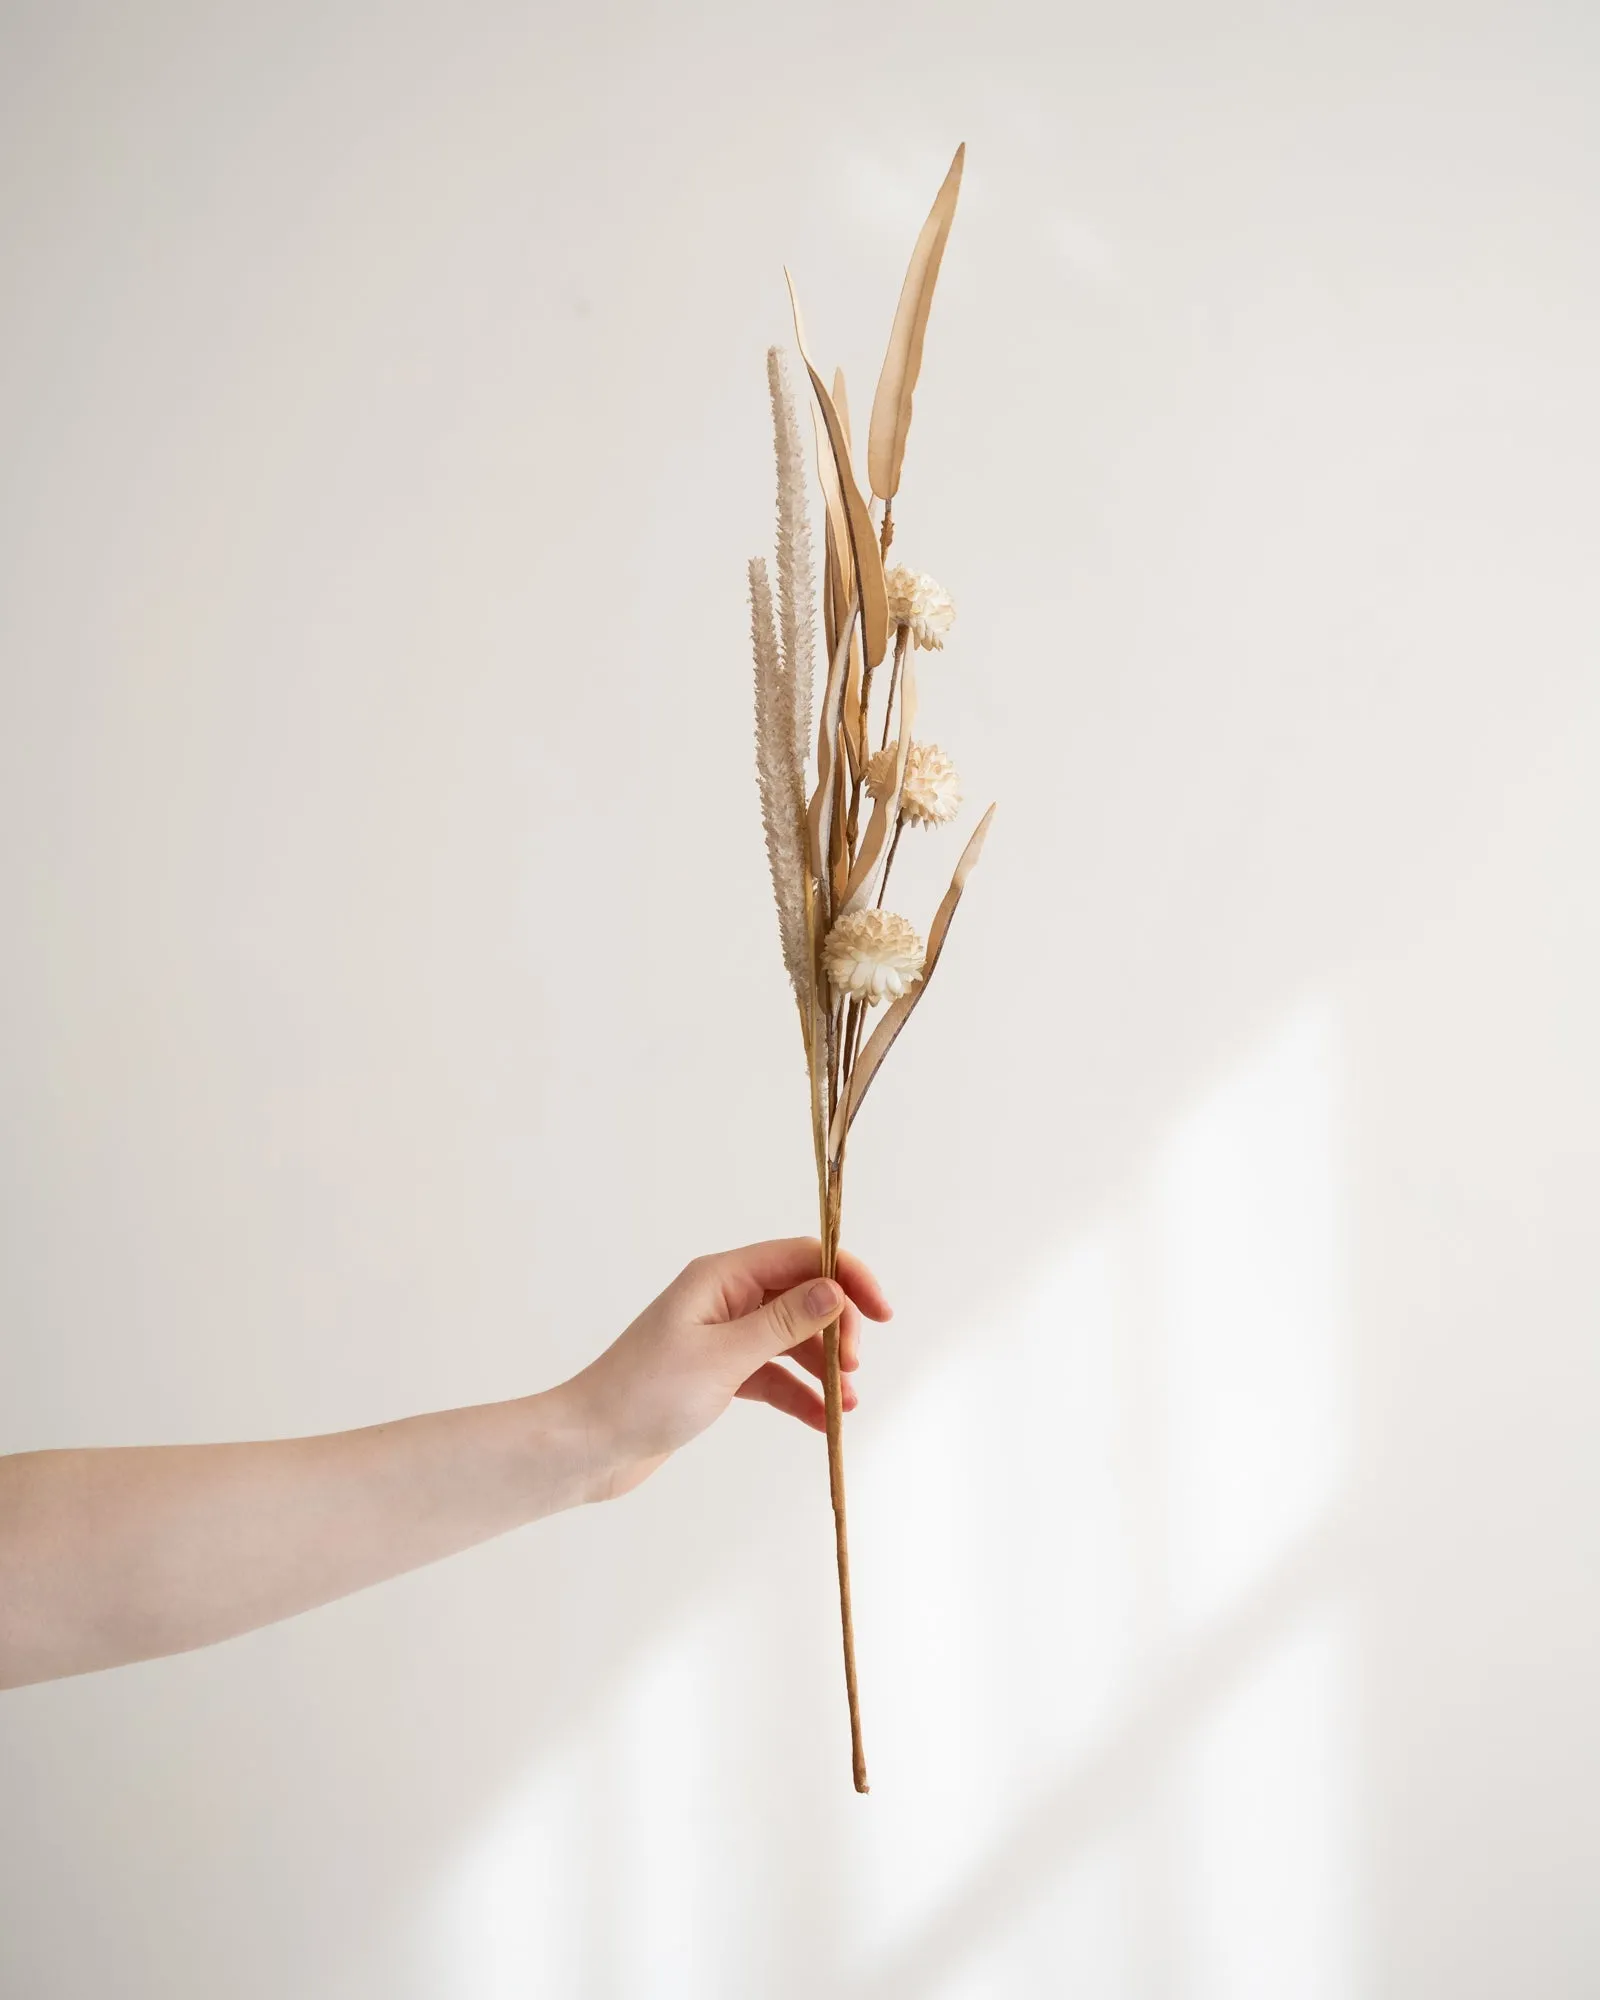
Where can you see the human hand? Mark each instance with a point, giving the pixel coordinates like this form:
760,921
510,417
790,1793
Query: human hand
715,1333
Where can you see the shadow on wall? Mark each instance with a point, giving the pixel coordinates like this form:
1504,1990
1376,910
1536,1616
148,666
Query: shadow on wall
1106,1630
1226,1600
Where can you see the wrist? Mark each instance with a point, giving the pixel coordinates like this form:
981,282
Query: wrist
574,1444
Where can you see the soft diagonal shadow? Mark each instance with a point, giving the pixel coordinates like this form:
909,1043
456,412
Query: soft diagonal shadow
1021,1865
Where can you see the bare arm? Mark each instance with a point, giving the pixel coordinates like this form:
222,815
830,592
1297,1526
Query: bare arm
117,1555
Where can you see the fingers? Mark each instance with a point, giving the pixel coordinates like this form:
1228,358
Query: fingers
862,1287
772,1383
779,1324
809,1355
739,1279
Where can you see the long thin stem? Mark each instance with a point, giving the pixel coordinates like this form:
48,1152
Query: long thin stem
810,1017
852,1040
902,638
834,1053
833,1398
899,828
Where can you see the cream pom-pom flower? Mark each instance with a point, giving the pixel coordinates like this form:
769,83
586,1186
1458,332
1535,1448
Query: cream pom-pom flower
931,793
870,953
917,601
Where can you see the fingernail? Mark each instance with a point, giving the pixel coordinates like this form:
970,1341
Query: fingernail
822,1299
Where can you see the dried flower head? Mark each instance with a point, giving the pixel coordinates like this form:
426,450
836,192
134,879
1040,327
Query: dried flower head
931,793
870,953
917,601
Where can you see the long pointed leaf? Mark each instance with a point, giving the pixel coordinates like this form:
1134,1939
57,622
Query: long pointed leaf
891,406
833,504
819,814
863,536
882,1039
841,402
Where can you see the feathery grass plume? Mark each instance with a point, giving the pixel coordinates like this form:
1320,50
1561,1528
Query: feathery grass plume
796,592
779,783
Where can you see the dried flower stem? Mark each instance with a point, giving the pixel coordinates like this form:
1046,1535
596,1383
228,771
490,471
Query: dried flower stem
844,957
899,828
832,1190
902,639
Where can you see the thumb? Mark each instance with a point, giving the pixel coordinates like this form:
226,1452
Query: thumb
788,1319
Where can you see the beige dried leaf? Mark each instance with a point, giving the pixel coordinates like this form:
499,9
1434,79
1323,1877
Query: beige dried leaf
882,1038
886,802
850,715
841,402
863,537
833,503
820,812
891,406
835,595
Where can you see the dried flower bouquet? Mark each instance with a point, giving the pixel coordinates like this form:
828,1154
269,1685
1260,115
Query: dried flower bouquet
832,845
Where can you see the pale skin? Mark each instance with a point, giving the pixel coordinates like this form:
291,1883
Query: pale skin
109,1556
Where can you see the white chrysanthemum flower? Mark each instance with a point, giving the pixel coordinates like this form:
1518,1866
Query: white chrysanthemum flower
931,794
916,600
870,953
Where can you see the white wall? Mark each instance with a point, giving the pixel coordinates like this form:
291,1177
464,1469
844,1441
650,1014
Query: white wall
390,1004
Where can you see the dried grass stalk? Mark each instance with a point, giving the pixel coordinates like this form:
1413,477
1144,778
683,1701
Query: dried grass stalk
779,781
796,591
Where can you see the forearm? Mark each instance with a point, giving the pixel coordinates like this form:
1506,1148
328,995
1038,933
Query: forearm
118,1555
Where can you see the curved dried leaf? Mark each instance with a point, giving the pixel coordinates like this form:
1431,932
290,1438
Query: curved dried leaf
834,594
882,1038
885,810
833,505
863,538
891,406
841,402
850,716
819,813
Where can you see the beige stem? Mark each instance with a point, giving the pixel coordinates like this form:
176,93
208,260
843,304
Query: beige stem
899,828
833,1396
902,639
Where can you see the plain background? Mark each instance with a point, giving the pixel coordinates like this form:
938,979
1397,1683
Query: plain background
391,1002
